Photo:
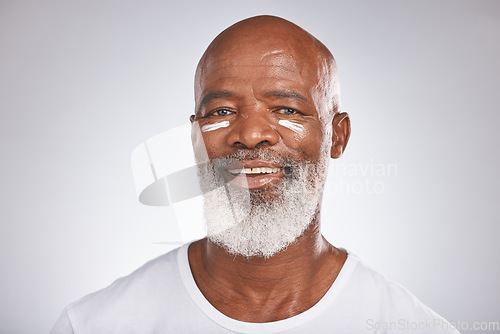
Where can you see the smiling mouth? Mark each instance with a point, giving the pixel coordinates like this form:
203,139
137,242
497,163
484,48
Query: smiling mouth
254,171
253,174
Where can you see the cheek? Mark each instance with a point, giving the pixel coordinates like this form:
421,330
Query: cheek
304,138
206,139
215,143
295,127
214,126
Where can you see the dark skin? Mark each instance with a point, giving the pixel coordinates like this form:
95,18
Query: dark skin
255,74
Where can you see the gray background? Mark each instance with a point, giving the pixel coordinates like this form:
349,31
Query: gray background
84,82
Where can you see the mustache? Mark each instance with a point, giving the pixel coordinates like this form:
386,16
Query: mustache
260,154
291,165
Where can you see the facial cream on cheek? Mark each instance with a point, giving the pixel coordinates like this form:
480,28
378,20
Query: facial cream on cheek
297,128
214,126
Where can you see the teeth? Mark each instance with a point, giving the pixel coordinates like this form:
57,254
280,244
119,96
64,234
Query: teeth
256,170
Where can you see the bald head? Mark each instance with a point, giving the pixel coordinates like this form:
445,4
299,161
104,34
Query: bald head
278,43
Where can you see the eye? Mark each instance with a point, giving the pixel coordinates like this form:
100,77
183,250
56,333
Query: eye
287,111
221,112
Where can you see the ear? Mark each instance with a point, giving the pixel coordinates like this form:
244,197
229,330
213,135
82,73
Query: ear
341,131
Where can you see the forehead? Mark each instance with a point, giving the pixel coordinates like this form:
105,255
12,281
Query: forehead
258,68
277,65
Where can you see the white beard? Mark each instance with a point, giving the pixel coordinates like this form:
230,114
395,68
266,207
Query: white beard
246,223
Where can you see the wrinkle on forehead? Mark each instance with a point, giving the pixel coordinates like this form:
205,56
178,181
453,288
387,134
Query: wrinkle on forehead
260,68
271,53
280,58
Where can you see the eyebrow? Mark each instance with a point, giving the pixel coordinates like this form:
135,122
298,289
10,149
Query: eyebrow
215,95
288,93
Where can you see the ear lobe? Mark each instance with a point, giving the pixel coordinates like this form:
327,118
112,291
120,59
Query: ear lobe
341,131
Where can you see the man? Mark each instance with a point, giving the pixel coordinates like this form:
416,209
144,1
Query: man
266,122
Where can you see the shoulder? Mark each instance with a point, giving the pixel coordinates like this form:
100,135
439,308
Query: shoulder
157,272
137,296
382,302
381,292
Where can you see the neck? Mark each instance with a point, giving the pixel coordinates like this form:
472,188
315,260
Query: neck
299,275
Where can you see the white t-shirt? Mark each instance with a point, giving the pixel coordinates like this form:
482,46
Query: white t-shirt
162,297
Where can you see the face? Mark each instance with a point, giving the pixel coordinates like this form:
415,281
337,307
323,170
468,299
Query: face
256,99
257,119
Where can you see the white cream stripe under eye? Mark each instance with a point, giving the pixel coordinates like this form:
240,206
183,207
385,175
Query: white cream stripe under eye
290,125
215,126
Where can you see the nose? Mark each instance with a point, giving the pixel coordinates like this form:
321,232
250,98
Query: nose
252,131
